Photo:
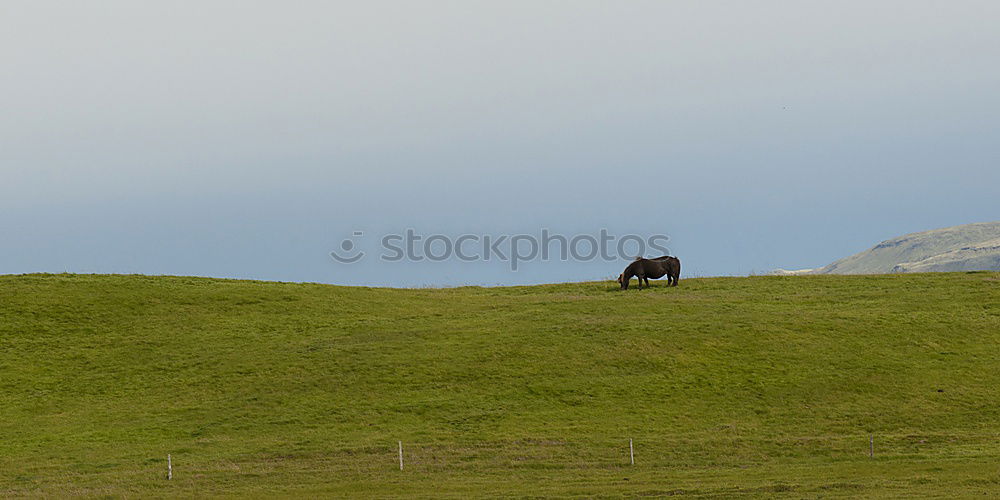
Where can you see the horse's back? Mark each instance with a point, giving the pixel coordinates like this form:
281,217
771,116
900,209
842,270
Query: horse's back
671,266
655,268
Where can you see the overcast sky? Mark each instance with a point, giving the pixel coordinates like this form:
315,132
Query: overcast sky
249,139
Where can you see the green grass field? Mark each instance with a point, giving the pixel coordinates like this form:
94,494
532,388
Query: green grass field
759,386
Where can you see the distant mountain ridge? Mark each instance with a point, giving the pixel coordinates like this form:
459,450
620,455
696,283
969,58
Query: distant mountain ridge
969,247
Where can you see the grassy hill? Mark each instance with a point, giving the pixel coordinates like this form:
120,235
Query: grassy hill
759,386
969,247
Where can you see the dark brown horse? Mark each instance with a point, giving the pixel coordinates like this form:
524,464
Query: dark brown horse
652,268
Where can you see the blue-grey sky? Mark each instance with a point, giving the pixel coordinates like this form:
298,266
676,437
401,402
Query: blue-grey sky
249,139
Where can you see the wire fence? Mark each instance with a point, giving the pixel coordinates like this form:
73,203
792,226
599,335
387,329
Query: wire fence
622,452
560,464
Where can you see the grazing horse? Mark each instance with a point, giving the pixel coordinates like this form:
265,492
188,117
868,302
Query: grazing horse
652,268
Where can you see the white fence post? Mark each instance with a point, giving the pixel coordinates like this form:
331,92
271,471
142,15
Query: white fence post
631,452
400,455
170,468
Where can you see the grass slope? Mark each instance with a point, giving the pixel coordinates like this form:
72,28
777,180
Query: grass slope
957,248
757,386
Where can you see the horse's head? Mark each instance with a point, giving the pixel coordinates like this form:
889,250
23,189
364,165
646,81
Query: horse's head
622,282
